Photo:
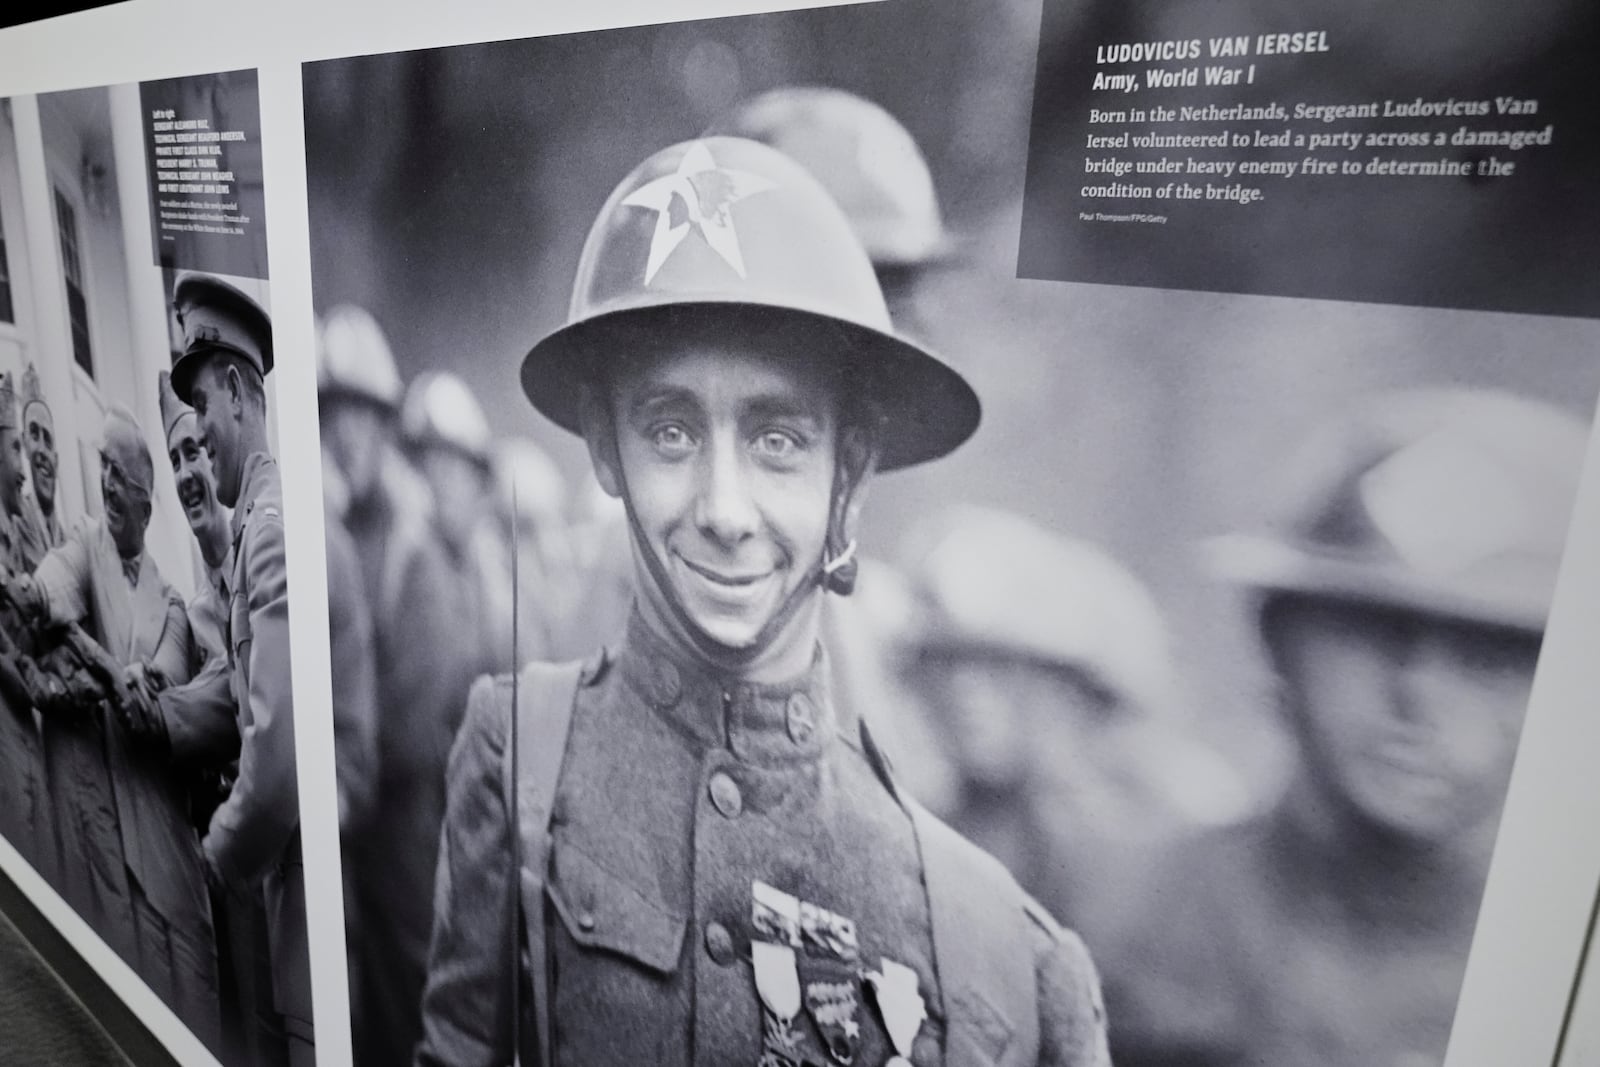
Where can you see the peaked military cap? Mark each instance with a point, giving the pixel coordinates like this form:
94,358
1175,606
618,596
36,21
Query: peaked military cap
217,317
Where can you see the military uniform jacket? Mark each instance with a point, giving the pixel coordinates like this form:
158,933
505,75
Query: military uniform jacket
677,793
255,834
39,532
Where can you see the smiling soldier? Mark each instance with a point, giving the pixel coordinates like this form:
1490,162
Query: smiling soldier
41,528
711,861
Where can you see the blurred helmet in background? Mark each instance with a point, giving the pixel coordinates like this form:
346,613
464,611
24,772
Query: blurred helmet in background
866,160
996,583
440,412
354,360
1452,504
727,234
1048,665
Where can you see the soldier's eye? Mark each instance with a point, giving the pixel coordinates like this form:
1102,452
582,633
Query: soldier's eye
778,444
671,440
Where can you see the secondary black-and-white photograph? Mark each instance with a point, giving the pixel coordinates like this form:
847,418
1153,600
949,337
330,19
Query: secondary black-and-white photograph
146,721
764,630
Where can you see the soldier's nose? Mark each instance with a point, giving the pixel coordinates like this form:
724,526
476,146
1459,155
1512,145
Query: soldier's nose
725,509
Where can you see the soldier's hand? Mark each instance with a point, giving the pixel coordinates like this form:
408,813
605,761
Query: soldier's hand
142,716
27,595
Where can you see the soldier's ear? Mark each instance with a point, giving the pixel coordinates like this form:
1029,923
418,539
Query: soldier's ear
236,387
858,462
600,435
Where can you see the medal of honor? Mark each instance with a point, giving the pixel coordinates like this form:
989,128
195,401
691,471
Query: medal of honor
894,988
778,983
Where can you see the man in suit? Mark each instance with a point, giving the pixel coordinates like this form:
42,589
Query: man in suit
129,859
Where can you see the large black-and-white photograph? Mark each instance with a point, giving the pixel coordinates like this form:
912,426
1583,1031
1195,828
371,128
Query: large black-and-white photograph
146,721
764,630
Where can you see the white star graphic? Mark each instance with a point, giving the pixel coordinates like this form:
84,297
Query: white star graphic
696,196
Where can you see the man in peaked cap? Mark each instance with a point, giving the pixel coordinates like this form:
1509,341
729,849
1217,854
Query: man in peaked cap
714,864
254,837
129,858
1401,594
197,725
42,529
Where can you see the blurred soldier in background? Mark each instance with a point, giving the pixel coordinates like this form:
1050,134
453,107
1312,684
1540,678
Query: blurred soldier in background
872,168
350,635
254,837
1401,597
129,858
447,440
1047,667
529,486
603,581
43,530
421,673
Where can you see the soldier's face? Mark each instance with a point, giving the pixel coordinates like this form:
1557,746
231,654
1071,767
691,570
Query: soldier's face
217,397
191,471
457,484
11,470
40,444
728,457
355,434
1410,723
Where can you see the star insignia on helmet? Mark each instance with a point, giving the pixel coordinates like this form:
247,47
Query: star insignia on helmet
697,196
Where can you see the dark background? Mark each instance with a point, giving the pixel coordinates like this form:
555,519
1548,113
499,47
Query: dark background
450,192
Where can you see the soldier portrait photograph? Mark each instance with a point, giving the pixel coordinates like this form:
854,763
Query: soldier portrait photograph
147,727
765,630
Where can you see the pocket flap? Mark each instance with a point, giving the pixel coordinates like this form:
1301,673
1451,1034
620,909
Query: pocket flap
602,910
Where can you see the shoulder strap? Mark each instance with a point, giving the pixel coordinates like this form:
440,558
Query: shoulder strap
982,928
541,719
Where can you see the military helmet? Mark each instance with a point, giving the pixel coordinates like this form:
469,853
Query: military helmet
727,233
993,583
217,317
1449,503
866,160
440,411
354,360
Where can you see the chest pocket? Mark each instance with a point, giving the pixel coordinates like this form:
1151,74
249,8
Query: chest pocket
605,912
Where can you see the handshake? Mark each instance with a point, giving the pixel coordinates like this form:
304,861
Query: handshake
76,673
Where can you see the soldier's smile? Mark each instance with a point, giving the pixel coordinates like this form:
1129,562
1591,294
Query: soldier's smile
728,456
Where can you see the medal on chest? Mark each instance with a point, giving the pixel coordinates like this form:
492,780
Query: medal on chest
804,955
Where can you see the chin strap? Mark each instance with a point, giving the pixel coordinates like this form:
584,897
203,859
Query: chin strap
835,572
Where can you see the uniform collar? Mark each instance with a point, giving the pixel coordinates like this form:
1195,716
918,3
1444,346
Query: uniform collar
759,723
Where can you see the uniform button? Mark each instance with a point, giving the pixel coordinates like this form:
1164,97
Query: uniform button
801,719
725,795
719,944
586,921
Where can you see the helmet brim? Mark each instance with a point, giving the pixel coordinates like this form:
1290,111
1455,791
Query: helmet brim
1268,567
928,408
